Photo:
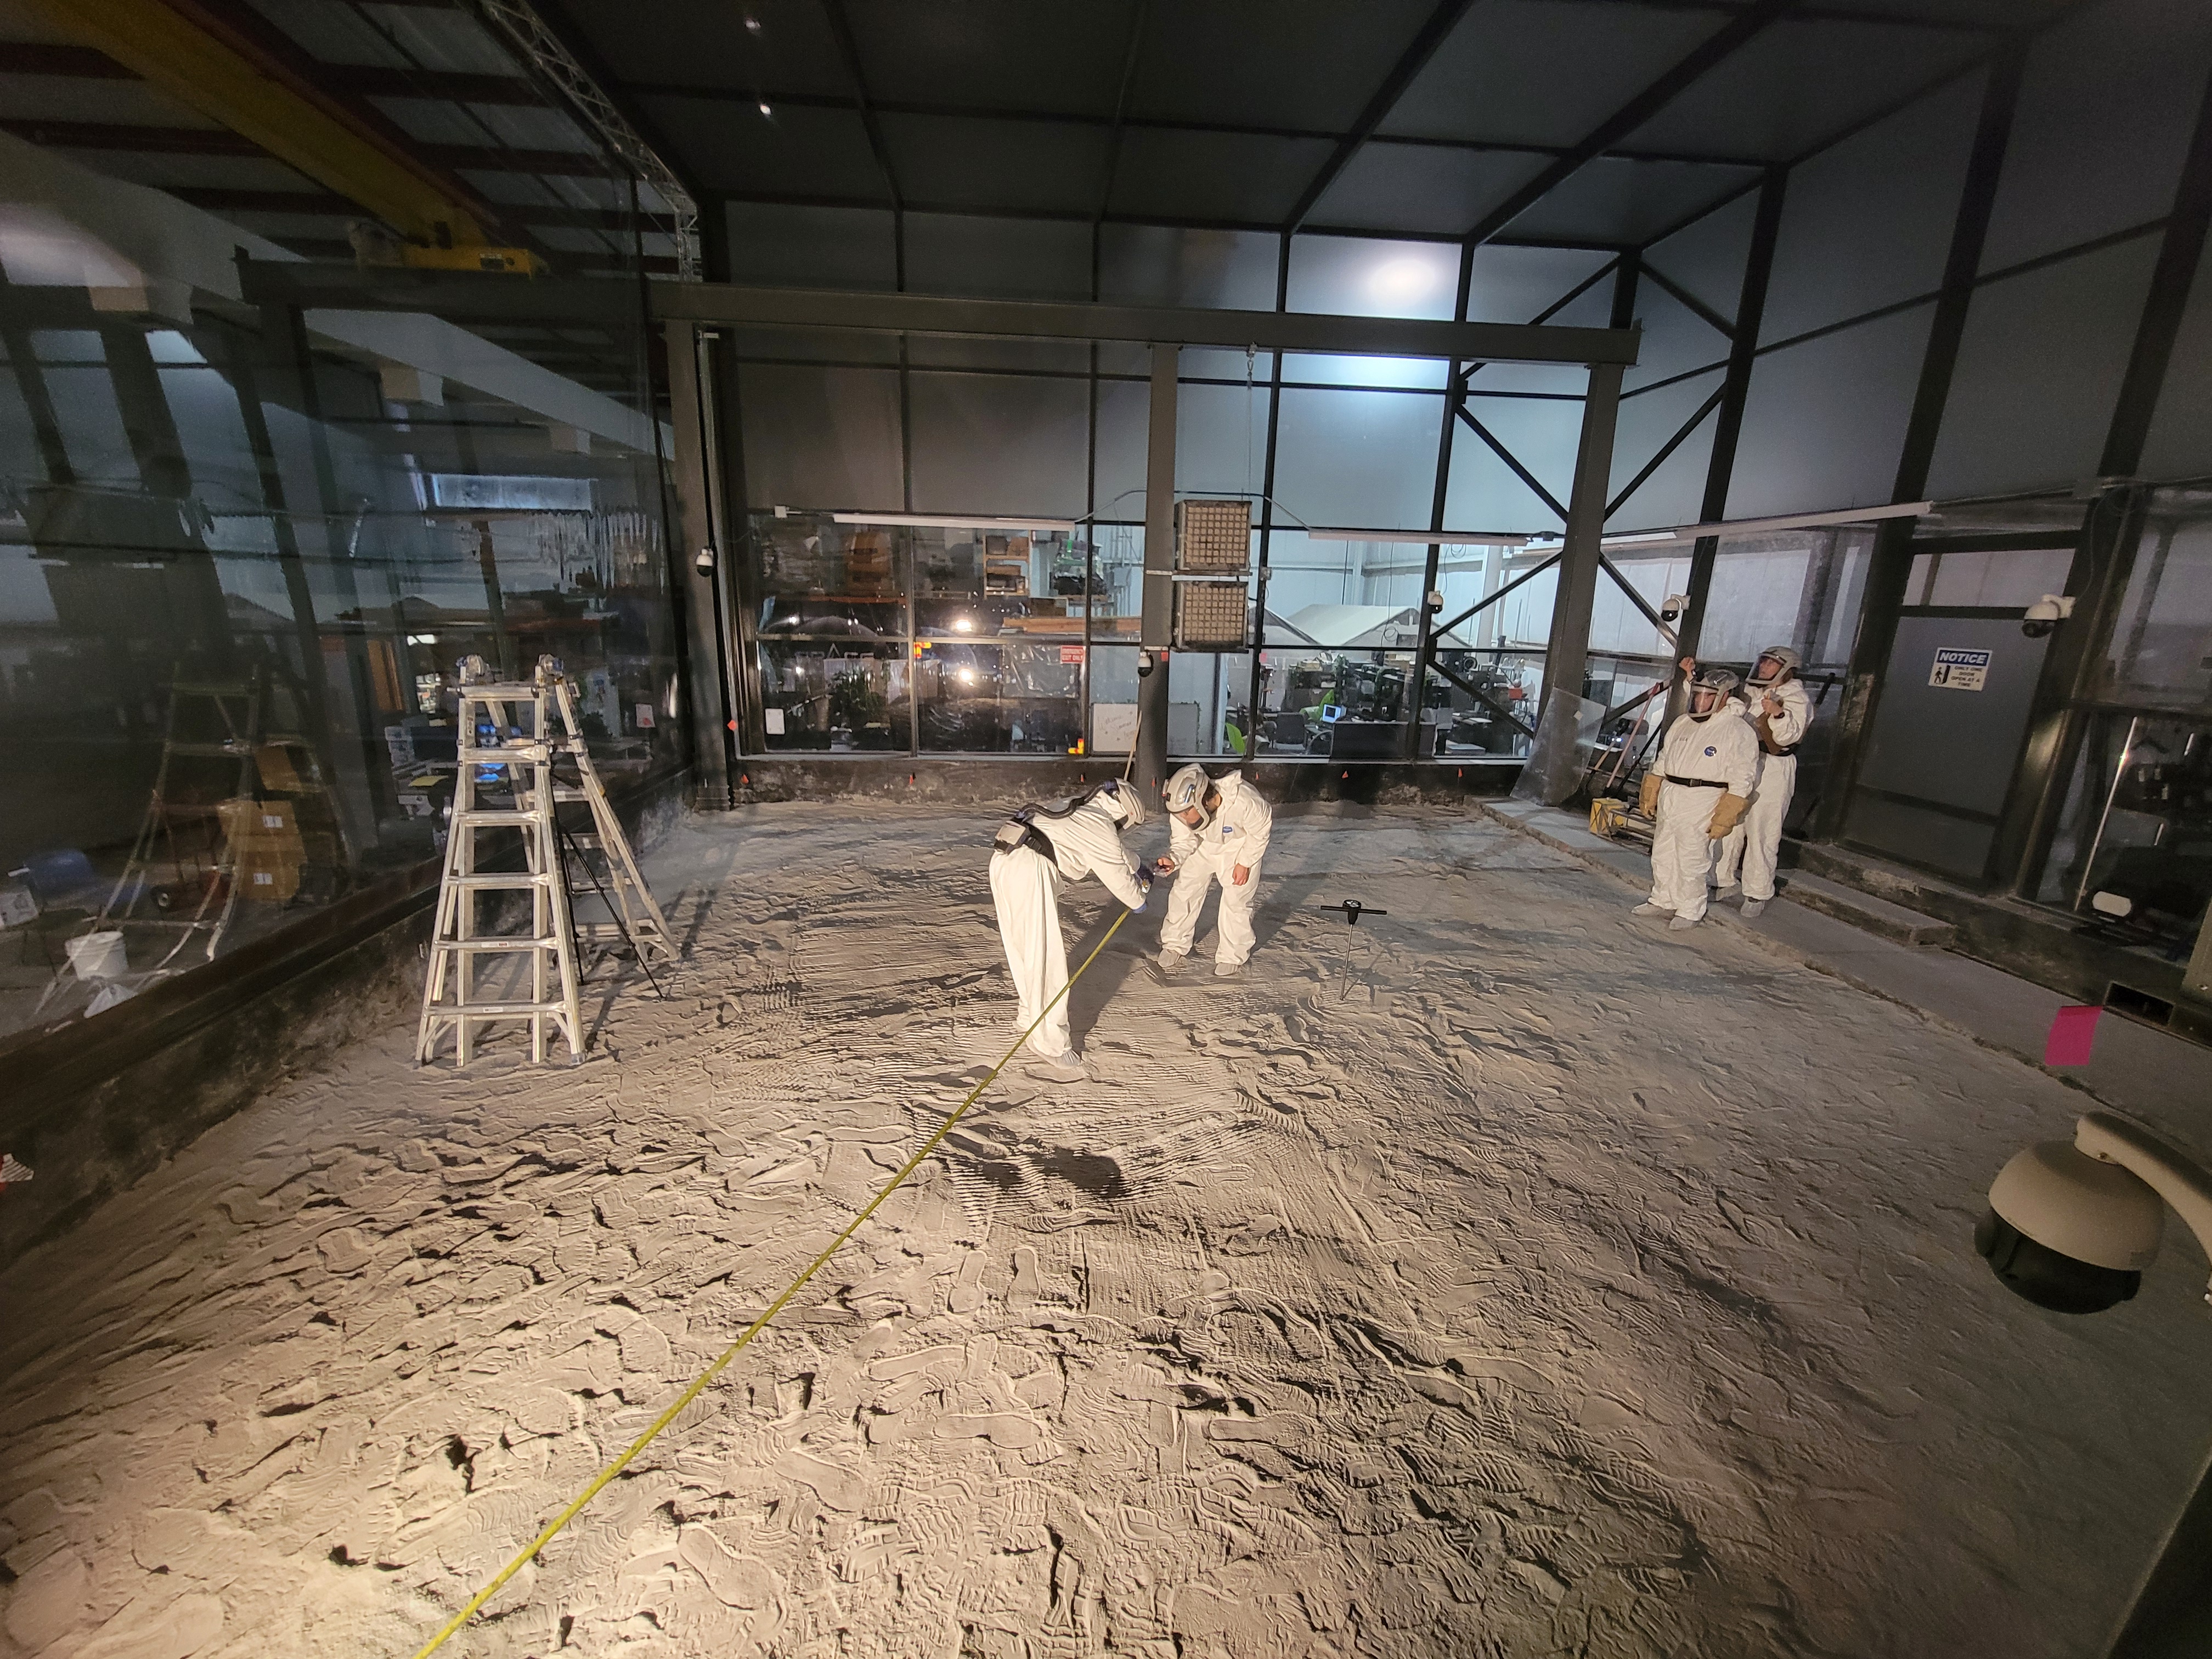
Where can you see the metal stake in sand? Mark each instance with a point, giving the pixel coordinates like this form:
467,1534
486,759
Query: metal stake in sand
604,1475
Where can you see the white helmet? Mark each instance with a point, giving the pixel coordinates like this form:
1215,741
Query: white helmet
1188,788
1721,682
1121,799
1780,654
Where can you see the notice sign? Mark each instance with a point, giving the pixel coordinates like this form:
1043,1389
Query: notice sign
1071,654
1956,669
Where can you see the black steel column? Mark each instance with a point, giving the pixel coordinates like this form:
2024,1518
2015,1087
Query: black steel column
1157,604
697,572
1891,563
2105,557
737,554
1454,394
1255,714
1727,420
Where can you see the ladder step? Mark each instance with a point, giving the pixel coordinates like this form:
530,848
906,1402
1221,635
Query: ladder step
479,817
517,881
497,943
493,1009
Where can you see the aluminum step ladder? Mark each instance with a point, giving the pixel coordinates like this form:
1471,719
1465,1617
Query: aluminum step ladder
512,735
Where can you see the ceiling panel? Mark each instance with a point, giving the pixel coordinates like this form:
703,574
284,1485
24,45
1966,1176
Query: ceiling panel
1027,165
797,153
993,53
1616,201
1212,176
1419,187
705,43
1310,65
1544,71
1801,82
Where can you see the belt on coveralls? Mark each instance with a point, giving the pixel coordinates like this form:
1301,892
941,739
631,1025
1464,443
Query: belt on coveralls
1695,783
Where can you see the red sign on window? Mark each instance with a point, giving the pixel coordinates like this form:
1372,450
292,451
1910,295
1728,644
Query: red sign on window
1071,654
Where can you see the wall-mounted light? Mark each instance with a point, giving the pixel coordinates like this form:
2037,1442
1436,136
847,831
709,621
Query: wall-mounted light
765,109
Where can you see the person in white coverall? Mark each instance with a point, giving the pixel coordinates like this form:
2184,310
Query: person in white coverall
1218,832
1038,849
1698,789
1776,706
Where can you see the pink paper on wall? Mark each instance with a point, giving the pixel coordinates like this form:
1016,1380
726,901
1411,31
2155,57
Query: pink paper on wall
2073,1032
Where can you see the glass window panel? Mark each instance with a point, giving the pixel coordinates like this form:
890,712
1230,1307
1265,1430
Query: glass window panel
2000,580
260,597
2138,826
986,581
1344,704
1113,697
1117,580
823,696
2162,640
1483,707
996,697
1207,694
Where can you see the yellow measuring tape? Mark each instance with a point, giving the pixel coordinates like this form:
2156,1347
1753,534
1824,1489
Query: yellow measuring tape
754,1329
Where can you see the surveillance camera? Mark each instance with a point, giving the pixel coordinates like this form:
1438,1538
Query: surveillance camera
2045,614
1675,605
2067,1232
704,563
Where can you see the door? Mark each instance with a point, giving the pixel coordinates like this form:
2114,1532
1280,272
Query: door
1947,732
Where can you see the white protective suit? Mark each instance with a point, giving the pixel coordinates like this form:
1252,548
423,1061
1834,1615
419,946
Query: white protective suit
1025,889
1237,834
1755,845
1723,749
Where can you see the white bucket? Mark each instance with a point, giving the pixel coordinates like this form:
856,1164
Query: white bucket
98,956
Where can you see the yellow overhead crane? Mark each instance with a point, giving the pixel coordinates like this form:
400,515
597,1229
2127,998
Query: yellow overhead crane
194,55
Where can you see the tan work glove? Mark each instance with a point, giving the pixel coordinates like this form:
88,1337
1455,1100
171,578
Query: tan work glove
1647,798
1728,814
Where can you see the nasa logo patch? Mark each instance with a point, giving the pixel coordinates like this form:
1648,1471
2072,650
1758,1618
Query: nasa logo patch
1711,749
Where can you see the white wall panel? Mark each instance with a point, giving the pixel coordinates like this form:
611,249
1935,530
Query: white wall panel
2039,368
776,246
997,259
2105,116
1868,223
992,443
1824,421
1360,457
1484,493
1675,493
821,437
1707,256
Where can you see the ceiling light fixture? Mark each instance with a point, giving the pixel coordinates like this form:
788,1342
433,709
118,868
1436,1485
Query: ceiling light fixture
765,110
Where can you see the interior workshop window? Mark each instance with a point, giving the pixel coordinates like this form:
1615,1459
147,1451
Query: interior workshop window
241,552
998,644
2133,852
832,635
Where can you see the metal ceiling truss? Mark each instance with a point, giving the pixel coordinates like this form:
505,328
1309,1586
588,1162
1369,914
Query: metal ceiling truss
548,54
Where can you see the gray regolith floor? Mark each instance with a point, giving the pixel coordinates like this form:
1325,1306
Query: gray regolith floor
1505,1276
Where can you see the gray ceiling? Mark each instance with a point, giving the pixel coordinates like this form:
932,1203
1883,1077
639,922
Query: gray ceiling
1438,119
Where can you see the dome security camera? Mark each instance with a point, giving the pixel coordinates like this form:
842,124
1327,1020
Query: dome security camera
2045,614
2071,1227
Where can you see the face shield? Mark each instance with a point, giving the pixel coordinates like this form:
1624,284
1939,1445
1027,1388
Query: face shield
1776,663
1709,693
1187,791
